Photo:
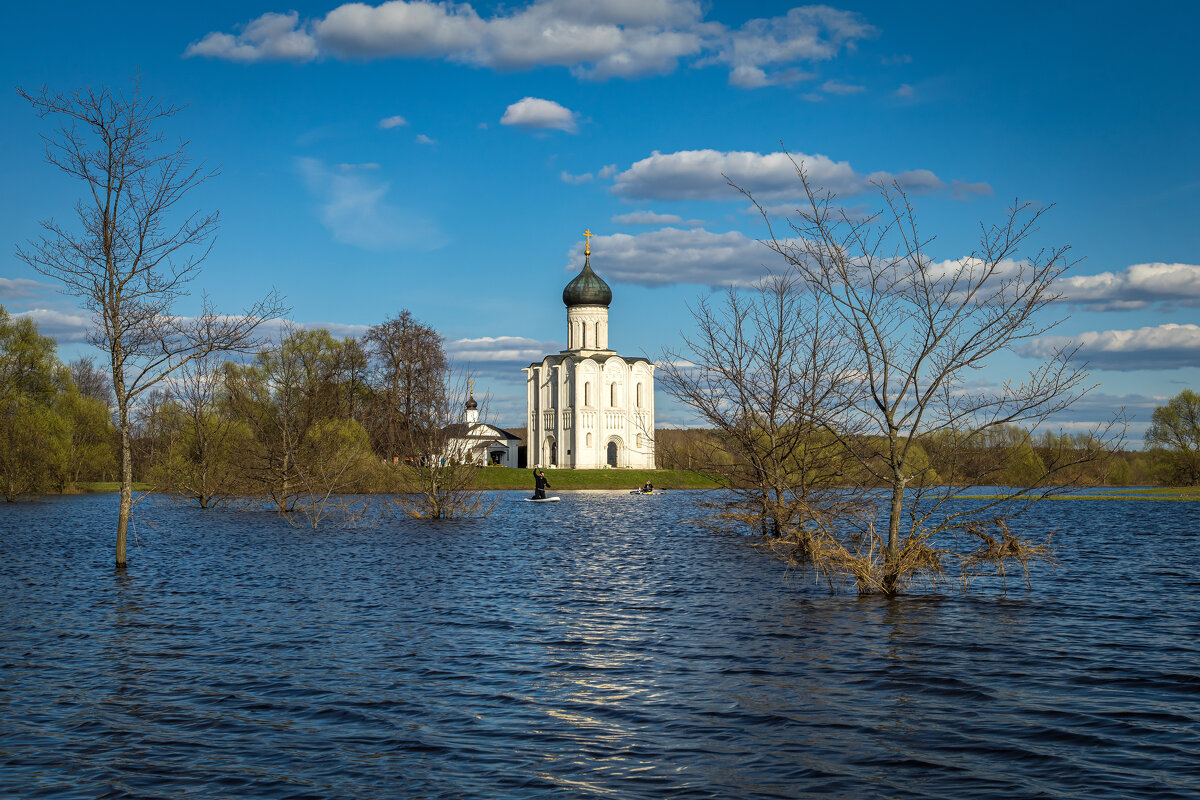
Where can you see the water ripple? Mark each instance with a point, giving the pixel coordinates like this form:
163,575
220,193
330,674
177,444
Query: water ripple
585,651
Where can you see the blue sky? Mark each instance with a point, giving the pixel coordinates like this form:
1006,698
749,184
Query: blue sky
447,158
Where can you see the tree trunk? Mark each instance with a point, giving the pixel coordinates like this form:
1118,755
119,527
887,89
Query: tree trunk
126,493
892,554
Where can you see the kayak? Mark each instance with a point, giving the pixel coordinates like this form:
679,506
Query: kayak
543,500
656,491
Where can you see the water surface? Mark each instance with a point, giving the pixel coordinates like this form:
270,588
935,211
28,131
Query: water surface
603,646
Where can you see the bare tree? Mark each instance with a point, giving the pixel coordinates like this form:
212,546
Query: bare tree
128,257
439,478
761,373
408,362
918,331
92,381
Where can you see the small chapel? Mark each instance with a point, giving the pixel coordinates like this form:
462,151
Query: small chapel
589,408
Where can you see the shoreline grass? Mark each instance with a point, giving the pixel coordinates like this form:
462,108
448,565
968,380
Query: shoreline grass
567,479
519,479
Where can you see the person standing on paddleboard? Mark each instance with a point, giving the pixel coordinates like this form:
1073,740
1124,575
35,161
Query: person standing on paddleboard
540,485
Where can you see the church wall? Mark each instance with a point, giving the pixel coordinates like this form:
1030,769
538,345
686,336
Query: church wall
587,328
578,397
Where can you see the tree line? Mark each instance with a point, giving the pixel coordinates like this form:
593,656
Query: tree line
305,419
1017,457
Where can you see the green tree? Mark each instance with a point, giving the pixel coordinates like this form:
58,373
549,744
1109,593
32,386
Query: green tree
33,436
89,454
1175,431
200,441
282,398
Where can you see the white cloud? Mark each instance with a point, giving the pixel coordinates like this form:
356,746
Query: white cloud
405,29
1137,286
653,218
22,288
672,256
1168,346
576,180
805,34
505,349
607,171
423,139
62,326
905,91
353,206
595,39
841,87
701,175
648,218
73,324
538,114
963,190
274,329
393,122
271,37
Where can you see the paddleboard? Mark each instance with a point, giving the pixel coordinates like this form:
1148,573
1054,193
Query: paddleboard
656,491
543,500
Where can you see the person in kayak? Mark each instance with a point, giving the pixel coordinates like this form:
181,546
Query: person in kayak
540,485
648,488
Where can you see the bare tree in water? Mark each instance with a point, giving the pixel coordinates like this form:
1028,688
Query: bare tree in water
761,374
916,331
132,252
440,475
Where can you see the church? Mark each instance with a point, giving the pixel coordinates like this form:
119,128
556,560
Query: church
588,407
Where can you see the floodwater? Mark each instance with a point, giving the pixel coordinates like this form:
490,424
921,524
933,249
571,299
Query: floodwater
603,646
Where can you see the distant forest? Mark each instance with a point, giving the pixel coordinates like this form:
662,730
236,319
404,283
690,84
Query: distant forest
253,428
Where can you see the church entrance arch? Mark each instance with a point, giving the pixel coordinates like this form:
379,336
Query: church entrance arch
550,452
613,452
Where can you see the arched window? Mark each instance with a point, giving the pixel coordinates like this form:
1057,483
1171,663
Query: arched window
589,440
639,438
612,394
584,334
587,393
639,395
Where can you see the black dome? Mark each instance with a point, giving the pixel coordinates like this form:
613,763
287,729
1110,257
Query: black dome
471,404
587,288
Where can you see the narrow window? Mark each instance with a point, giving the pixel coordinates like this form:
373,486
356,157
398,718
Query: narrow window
587,393
612,395
639,395
589,440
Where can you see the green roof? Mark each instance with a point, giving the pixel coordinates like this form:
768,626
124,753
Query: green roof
587,288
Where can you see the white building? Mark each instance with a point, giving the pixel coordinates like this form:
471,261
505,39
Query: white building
587,406
475,442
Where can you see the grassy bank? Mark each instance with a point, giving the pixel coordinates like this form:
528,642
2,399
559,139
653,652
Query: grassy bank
512,478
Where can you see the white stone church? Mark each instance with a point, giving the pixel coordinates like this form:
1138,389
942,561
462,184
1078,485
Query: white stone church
589,407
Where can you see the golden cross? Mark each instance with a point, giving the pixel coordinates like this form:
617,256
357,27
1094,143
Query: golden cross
471,387
587,248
